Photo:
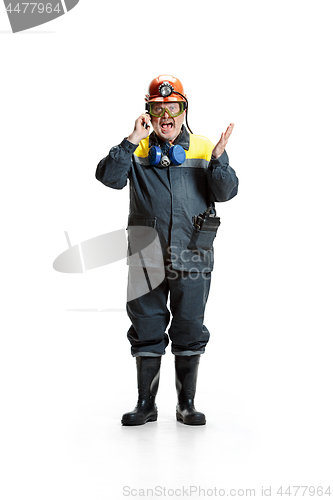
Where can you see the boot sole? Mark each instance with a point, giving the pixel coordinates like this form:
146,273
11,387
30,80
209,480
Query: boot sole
152,418
193,422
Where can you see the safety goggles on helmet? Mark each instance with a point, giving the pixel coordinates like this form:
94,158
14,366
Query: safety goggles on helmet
173,109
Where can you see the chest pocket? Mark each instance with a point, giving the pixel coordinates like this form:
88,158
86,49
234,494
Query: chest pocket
195,182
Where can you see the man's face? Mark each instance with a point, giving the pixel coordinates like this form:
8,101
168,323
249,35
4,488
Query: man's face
167,127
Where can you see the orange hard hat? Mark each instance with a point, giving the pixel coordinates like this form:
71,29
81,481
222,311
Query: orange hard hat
168,83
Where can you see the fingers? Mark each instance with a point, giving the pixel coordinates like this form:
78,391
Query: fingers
222,138
228,131
225,135
145,120
219,148
142,120
141,129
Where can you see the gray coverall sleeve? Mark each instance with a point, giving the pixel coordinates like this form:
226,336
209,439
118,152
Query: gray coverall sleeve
222,179
114,169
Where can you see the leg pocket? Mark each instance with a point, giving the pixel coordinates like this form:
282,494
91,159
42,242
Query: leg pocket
144,249
201,240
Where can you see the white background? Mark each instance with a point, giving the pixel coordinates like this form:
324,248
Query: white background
70,90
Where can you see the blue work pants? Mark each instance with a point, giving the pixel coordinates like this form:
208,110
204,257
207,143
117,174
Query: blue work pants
150,316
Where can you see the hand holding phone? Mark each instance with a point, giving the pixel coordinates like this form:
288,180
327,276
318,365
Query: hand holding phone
141,129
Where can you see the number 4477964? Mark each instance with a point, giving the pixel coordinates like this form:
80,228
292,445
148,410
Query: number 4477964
31,7
311,491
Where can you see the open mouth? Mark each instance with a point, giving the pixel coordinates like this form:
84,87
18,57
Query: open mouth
166,126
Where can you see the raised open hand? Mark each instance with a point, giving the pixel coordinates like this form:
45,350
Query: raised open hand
220,146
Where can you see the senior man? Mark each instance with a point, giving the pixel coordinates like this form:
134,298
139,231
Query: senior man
175,178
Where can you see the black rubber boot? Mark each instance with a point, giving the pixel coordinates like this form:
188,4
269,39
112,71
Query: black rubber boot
186,381
148,371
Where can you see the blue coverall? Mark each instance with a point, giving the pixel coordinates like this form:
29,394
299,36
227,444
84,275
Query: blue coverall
167,198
